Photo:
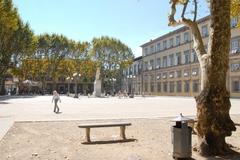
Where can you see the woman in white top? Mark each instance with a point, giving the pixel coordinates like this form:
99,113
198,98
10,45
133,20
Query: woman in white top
56,98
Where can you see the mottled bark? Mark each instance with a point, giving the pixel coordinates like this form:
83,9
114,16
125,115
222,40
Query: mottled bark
214,122
213,104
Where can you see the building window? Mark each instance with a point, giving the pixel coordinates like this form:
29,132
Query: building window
124,73
186,86
204,31
164,61
145,66
164,76
130,70
179,86
178,40
48,78
152,49
171,75
235,67
178,73
195,86
165,86
158,65
134,69
236,86
61,79
158,47
159,86
171,43
127,72
145,77
139,66
146,86
152,77
158,76
165,44
186,37
186,73
195,71
171,60
194,55
152,86
178,58
145,51
234,22
171,87
186,57
151,64
235,43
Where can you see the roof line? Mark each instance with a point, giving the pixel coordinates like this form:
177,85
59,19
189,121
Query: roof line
184,28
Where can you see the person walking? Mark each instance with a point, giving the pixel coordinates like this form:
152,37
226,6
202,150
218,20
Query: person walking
56,98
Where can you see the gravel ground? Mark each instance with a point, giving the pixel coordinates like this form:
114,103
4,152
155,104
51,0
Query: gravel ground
149,139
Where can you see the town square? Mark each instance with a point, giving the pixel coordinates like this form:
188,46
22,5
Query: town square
126,80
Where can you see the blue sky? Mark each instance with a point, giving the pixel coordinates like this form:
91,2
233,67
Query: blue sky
134,22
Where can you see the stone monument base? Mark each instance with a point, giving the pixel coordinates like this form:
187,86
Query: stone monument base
97,88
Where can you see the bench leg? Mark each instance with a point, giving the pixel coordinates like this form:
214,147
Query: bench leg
122,132
88,135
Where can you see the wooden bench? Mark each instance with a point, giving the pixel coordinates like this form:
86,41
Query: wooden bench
122,126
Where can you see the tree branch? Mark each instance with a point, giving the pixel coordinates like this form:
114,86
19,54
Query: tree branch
195,11
197,39
184,8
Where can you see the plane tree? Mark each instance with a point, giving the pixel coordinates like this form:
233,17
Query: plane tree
112,56
16,38
213,103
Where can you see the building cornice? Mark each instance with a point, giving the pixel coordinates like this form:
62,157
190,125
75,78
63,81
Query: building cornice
181,29
137,58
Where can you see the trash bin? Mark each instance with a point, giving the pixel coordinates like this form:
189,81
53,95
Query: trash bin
181,137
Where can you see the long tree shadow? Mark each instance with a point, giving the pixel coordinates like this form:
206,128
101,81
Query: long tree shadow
233,155
5,116
110,141
237,124
186,158
3,98
4,102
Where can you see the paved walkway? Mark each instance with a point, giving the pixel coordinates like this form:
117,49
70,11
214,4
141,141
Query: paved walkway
40,108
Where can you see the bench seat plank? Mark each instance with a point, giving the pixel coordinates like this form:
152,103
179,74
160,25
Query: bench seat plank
96,125
88,126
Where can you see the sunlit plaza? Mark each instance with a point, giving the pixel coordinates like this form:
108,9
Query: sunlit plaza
29,121
40,108
124,80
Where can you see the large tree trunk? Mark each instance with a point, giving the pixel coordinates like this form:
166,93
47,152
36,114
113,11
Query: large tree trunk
213,104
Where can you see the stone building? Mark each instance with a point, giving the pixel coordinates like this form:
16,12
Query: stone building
170,66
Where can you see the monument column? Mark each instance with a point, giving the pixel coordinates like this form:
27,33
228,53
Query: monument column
97,84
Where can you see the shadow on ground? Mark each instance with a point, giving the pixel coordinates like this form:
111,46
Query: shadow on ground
234,155
4,102
237,124
3,98
110,142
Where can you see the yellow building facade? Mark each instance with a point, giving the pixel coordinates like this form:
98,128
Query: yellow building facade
169,65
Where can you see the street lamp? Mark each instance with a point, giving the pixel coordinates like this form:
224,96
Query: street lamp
76,77
131,77
113,80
